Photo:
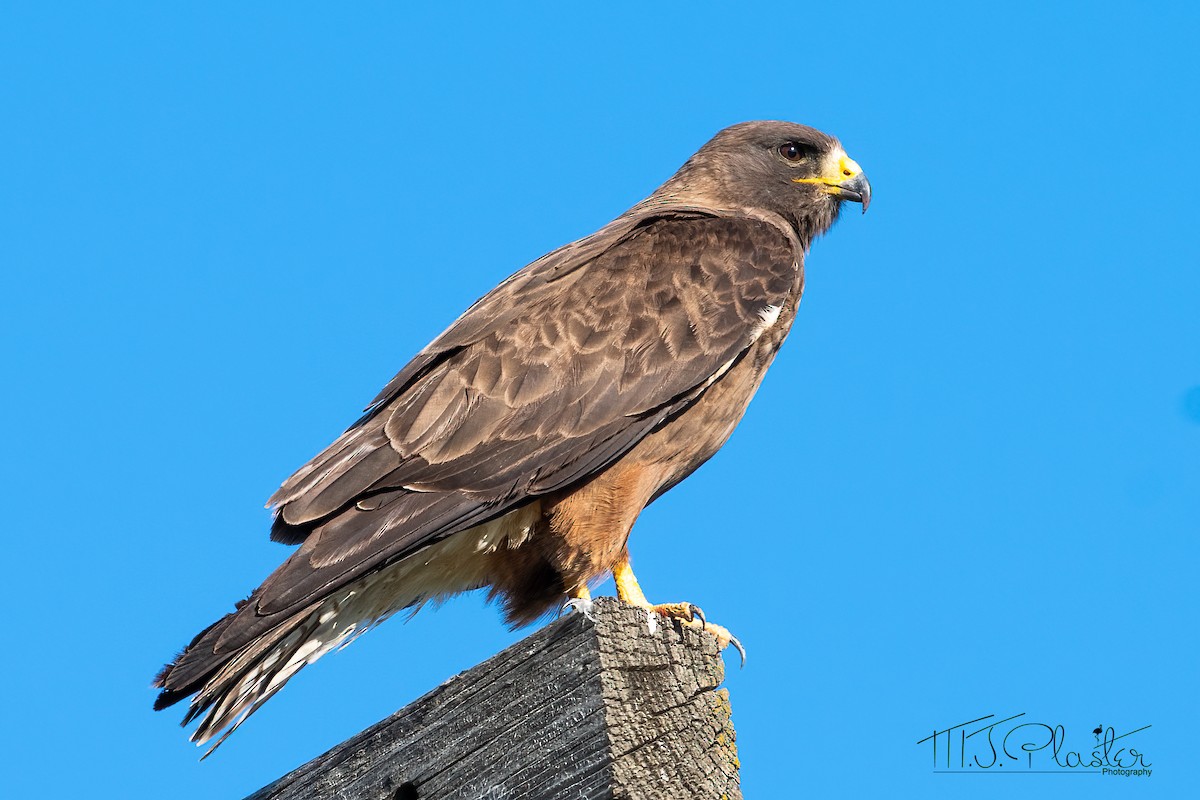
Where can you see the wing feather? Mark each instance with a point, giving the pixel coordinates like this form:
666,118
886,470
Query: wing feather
547,380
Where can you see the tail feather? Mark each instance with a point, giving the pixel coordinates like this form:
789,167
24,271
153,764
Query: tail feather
193,665
239,662
230,686
253,676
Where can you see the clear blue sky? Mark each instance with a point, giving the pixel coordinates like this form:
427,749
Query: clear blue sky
970,484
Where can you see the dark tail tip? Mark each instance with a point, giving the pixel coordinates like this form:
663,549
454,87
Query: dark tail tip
167,698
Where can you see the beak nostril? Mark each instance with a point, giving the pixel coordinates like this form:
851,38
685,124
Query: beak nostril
847,173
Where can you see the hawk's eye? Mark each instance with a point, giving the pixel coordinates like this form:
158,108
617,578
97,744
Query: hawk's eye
792,151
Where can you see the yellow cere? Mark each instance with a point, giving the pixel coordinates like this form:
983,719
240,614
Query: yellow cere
845,169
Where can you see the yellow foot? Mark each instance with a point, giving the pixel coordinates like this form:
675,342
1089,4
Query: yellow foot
691,615
630,592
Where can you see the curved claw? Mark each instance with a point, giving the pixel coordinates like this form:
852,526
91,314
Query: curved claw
741,650
698,614
583,606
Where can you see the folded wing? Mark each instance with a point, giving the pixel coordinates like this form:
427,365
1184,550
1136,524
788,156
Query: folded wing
545,381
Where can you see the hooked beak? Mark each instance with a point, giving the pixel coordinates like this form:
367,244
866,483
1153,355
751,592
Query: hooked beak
844,180
856,189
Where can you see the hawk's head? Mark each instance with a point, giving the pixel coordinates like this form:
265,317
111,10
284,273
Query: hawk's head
792,170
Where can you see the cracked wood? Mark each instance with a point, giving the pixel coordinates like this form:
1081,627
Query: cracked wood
578,710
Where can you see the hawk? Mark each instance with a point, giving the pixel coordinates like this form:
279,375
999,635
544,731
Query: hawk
516,451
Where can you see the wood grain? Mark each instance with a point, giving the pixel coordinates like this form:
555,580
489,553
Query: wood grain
580,710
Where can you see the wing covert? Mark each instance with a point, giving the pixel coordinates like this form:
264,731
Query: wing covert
548,379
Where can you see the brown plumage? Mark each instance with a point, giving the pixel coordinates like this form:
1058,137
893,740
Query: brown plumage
516,451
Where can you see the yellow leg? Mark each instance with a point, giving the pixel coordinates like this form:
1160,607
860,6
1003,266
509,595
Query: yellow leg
628,591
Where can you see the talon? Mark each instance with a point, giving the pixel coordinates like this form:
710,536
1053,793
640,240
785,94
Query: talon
741,650
688,614
724,639
582,605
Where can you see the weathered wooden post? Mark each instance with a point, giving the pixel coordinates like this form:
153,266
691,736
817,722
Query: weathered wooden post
580,710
